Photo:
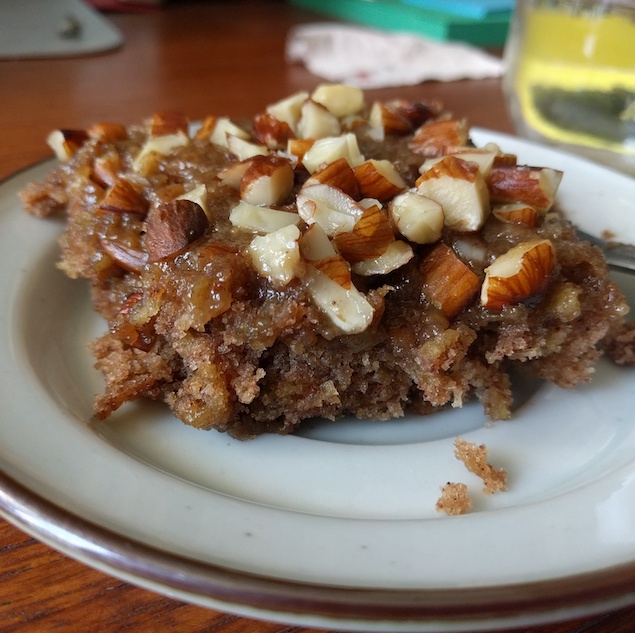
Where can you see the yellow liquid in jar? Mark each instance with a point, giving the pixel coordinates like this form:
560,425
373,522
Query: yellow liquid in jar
576,78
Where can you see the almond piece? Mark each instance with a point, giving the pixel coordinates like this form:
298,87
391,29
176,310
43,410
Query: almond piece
158,145
223,128
260,219
166,122
268,180
339,99
127,256
329,207
198,195
316,121
338,174
379,179
108,132
276,255
416,112
536,186
482,157
335,268
206,129
288,110
327,150
433,138
347,308
316,245
417,218
234,172
272,132
123,197
516,213
298,147
172,226
106,168
459,187
243,149
395,256
369,238
384,121
447,282
519,274
66,142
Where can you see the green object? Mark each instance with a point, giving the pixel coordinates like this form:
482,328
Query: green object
393,15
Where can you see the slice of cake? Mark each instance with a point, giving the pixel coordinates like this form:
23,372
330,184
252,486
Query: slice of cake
328,257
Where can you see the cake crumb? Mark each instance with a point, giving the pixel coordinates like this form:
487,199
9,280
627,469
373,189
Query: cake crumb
454,499
474,457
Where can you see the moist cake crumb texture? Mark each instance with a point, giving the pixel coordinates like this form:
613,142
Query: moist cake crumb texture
328,257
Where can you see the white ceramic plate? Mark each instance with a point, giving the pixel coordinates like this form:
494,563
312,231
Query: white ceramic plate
336,526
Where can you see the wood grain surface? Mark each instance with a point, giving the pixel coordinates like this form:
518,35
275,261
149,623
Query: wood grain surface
216,57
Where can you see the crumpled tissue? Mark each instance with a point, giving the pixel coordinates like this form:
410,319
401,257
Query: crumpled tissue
370,58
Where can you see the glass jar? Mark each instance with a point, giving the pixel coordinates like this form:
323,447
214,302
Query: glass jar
570,76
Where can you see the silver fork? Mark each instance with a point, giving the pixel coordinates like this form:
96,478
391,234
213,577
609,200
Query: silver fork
618,256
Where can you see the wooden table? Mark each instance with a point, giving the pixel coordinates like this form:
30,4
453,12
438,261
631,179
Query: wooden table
199,57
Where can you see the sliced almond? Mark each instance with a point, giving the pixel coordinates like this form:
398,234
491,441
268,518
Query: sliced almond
258,219
268,180
329,207
339,99
108,132
327,150
66,142
276,255
369,238
172,226
166,122
519,274
123,197
516,213
379,179
398,254
417,218
433,138
536,186
447,282
459,187
272,132
347,308
338,174
316,121
288,110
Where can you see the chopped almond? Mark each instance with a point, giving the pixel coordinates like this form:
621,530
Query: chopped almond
434,138
449,283
536,186
519,274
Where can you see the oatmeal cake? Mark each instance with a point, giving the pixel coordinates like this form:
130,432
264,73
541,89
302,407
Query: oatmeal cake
328,257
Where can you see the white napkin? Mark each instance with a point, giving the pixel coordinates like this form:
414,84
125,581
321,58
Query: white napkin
370,58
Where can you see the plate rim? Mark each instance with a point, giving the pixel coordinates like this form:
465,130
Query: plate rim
256,595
